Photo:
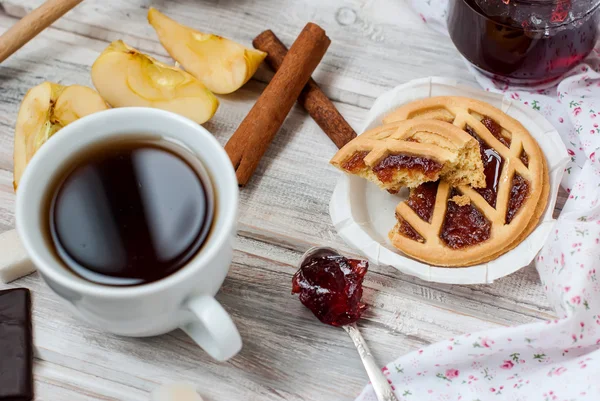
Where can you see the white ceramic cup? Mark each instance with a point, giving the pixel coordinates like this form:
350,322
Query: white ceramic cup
184,299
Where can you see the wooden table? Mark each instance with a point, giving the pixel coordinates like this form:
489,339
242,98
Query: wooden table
287,354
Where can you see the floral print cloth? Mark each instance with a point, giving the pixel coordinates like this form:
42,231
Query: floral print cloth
555,360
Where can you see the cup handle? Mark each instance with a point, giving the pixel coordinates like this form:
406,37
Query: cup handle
213,329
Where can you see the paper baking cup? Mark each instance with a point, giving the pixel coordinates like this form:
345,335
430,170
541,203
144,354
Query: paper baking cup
363,214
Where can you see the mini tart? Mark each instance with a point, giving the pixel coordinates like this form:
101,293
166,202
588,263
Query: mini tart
409,153
457,225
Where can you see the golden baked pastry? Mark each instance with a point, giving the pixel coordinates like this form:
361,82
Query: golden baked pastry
447,225
409,153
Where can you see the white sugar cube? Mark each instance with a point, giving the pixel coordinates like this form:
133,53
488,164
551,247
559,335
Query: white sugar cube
176,392
14,262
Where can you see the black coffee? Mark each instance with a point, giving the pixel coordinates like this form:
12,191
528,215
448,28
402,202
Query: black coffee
129,213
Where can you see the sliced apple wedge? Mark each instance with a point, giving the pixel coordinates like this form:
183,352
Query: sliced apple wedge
46,109
125,77
220,64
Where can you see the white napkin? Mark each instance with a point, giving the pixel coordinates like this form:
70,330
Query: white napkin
556,360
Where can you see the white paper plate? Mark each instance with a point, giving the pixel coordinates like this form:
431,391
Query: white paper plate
363,214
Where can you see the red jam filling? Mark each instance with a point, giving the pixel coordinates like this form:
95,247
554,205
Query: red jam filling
422,200
386,168
518,195
464,225
331,287
355,163
408,231
495,130
492,168
524,158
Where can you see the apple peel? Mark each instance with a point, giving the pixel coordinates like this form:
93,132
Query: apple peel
45,110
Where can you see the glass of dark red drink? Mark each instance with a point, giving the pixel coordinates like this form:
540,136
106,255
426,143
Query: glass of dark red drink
524,42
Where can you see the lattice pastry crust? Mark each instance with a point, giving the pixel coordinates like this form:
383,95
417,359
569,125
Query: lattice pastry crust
432,232
408,153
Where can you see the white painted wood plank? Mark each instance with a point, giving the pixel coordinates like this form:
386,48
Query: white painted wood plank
7,201
55,382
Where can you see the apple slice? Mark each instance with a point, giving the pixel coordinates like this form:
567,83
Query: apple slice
46,109
220,64
125,77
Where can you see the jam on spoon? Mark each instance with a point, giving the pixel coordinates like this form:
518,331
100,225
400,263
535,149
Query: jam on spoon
330,285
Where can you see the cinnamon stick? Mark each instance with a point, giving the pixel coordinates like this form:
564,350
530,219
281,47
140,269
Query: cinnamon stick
252,138
312,98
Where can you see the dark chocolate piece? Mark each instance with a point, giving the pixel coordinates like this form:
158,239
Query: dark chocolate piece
16,346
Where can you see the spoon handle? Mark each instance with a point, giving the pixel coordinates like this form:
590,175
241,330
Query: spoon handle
378,380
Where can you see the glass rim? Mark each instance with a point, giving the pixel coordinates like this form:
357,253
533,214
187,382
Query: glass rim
533,2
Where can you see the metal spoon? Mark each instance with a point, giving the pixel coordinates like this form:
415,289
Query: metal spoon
380,384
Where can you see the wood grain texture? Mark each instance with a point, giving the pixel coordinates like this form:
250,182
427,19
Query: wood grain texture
287,354
32,24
